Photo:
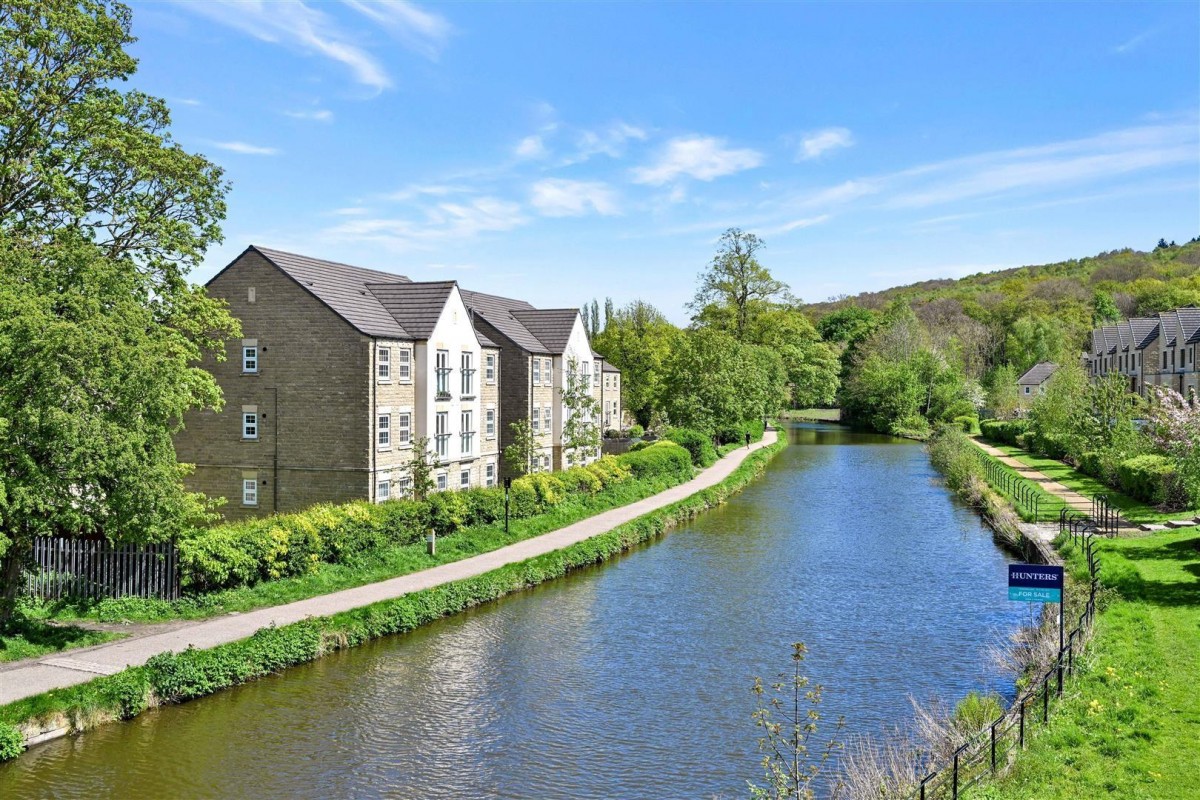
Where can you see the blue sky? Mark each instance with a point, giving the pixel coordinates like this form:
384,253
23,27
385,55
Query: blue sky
561,151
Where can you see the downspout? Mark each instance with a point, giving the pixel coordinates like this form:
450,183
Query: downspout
371,457
275,454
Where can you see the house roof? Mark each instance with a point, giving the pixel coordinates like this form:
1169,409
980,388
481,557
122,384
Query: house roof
343,288
498,312
1145,330
1038,373
1124,335
1110,338
607,367
551,326
1189,322
1098,341
1170,327
416,306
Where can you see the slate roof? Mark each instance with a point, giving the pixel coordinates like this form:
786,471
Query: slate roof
1189,321
1145,330
498,312
416,306
1124,336
551,326
1170,327
1110,338
343,288
1098,340
607,367
1038,373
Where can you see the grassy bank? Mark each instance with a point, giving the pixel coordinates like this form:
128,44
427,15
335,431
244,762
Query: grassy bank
32,638
1129,723
175,677
815,414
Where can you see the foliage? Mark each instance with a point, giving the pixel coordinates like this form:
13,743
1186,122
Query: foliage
1173,426
580,433
638,340
421,466
12,743
699,445
1003,396
660,458
519,454
787,713
1005,431
735,283
712,377
636,431
1152,479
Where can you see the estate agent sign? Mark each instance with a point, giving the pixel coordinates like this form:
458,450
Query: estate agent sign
1035,583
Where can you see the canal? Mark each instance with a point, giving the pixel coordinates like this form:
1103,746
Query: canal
626,680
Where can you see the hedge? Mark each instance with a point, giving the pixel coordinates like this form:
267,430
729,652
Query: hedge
968,423
698,445
736,434
245,553
1006,431
1151,479
176,677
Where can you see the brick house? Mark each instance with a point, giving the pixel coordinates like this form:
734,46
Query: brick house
340,371
1150,351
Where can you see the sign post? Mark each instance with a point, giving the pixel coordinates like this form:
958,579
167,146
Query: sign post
1038,583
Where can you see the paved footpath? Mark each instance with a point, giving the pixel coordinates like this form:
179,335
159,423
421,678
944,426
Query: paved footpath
28,678
1071,497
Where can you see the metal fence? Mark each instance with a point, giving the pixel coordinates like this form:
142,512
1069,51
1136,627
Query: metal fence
66,567
1012,484
1106,515
990,750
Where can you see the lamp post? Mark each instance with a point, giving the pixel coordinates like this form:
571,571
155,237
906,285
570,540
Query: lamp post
507,486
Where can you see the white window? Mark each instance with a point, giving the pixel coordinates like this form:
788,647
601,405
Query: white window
249,491
384,436
467,432
441,481
489,475
464,479
489,367
404,429
404,364
404,487
547,420
585,373
537,371
443,372
250,425
250,359
548,372
536,420
383,363
546,463
383,490
1026,390
441,434
489,423
468,375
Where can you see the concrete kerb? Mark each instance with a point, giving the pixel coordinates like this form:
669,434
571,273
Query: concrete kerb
61,670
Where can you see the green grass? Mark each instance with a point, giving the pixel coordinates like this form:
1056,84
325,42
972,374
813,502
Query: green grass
32,638
1129,723
826,414
326,578
1131,509
1049,506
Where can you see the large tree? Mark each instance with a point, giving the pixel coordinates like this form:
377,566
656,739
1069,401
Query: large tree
637,340
735,283
712,380
101,217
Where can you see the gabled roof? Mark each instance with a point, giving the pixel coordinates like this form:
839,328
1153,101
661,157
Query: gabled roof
1189,322
1170,327
1110,338
416,306
1124,336
1038,373
551,326
1145,330
1098,340
343,288
498,312
607,367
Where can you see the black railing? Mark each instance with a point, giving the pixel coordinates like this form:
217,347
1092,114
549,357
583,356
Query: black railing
1011,484
1106,515
67,567
986,752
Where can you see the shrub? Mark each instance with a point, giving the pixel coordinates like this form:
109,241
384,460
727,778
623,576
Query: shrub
1152,479
12,743
659,459
612,433
697,443
609,470
127,692
1091,463
581,479
969,423
523,498
1026,441
1005,431
1050,445
641,445
550,490
447,512
728,434
636,431
484,505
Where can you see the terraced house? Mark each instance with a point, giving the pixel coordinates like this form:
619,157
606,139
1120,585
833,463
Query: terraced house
1150,351
342,369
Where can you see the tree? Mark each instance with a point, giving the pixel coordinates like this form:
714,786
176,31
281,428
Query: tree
608,311
1104,308
101,217
1173,426
811,364
637,340
580,433
1003,397
788,716
847,325
735,280
1033,340
595,318
712,380
520,453
421,467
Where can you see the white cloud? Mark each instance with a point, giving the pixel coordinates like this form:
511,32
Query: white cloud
556,197
246,149
530,147
1130,45
417,190
295,24
814,144
796,224
609,141
316,115
700,157
187,101
444,222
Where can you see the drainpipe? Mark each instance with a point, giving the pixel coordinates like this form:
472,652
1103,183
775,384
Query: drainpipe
371,457
275,454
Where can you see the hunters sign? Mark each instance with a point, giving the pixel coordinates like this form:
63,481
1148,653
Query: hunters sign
1035,583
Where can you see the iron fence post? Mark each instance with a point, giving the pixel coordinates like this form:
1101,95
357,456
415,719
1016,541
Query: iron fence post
994,746
954,789
1021,736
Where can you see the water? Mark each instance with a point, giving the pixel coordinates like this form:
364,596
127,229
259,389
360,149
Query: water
627,680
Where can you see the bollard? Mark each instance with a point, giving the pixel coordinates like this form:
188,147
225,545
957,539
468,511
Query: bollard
431,542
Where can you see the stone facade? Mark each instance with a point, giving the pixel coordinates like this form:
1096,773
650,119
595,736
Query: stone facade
1153,351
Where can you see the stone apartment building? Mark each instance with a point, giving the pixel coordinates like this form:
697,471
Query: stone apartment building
1150,351
341,369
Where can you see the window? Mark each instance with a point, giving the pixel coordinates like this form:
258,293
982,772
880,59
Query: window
468,375
443,374
489,367
441,481
383,490
250,425
441,434
383,364
404,365
536,420
467,433
464,479
585,374
404,487
250,359
489,423
1026,390
547,420
546,463
548,371
249,491
537,371
384,431
489,475
404,429
596,372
